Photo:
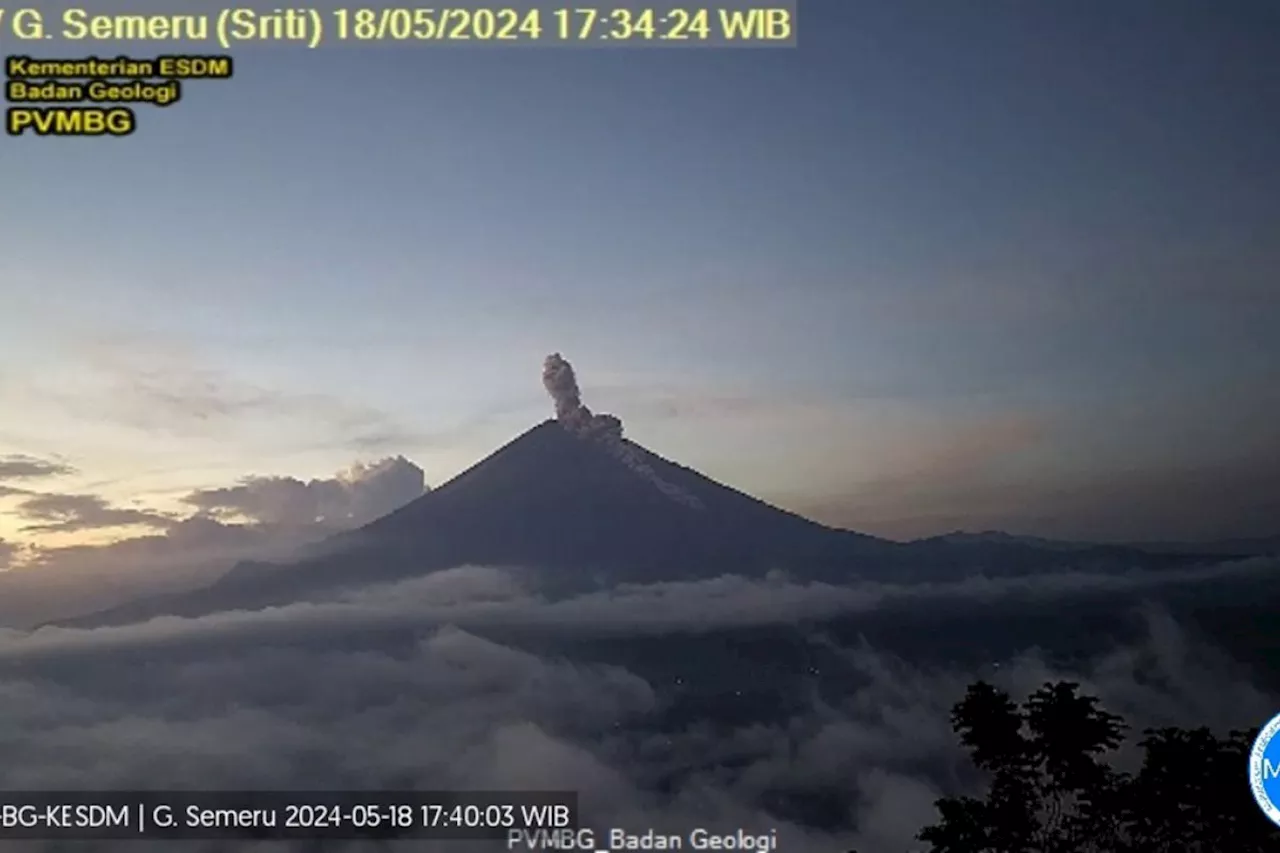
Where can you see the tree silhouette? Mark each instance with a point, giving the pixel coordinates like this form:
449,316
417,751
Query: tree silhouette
1052,790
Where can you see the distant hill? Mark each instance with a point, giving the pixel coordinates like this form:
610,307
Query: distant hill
1255,547
999,537
1223,549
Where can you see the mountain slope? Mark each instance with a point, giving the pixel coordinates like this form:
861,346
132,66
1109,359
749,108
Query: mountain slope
582,507
578,509
554,500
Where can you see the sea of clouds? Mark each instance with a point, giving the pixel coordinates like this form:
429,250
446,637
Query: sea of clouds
300,696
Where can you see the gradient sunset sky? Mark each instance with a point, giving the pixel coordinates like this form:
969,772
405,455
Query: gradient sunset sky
989,264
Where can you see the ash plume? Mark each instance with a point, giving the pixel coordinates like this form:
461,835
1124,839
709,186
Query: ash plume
562,384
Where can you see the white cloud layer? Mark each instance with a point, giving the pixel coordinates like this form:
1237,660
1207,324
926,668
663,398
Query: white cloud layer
414,686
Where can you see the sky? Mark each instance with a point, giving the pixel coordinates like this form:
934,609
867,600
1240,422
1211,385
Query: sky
941,266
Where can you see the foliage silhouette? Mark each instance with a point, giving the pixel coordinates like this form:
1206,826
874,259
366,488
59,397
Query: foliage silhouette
1052,790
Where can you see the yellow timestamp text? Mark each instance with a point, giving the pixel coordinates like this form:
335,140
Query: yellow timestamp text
735,23
581,24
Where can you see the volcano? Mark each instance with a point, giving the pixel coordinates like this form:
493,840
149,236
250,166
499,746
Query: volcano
557,500
581,507
577,510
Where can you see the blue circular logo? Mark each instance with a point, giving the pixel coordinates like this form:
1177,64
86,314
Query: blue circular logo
1264,770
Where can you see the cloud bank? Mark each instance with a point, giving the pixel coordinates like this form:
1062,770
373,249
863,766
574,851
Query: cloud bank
355,497
258,518
64,513
425,685
19,466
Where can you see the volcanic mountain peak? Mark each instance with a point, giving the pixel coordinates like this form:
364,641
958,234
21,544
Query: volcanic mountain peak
562,384
579,505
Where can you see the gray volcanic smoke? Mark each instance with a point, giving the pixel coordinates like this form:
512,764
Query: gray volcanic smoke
562,384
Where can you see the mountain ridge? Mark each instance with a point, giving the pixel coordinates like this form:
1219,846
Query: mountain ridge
552,483
583,509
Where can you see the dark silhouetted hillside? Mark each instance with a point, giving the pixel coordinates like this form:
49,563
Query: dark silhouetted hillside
585,510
